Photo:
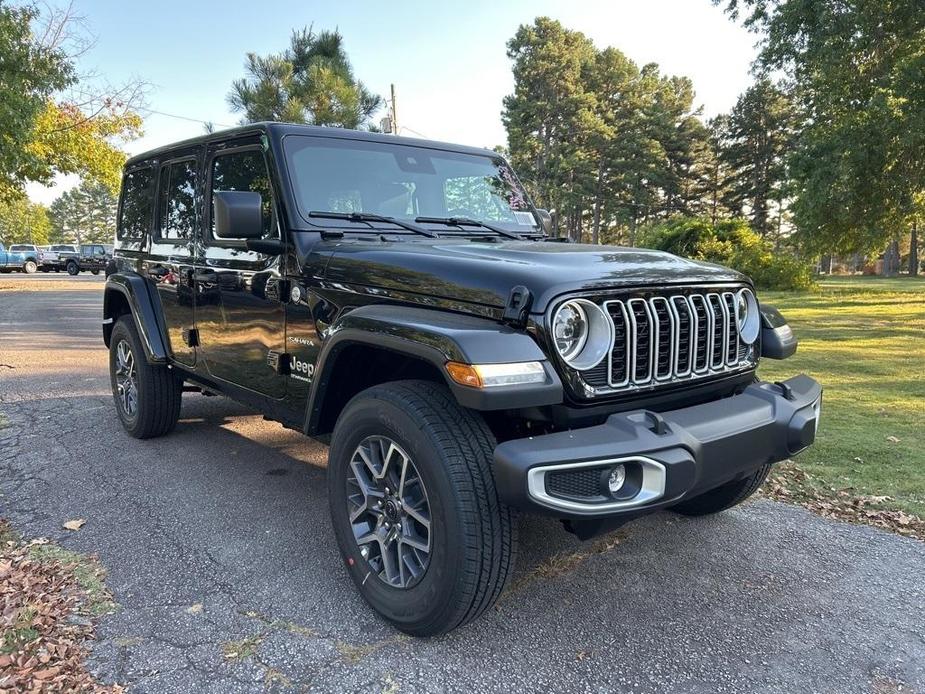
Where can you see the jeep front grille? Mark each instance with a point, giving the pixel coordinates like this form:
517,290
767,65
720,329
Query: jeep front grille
661,340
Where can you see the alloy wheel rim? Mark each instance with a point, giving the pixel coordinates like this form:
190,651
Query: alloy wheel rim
389,512
126,383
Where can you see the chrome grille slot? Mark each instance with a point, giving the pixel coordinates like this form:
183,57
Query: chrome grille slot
660,340
719,326
703,332
641,347
664,336
687,329
732,333
619,355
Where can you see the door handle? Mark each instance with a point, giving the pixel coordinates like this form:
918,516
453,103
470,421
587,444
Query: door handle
205,276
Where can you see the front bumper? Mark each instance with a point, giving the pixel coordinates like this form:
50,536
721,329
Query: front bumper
668,456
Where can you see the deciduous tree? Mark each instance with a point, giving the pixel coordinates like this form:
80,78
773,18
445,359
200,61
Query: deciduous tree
856,69
22,221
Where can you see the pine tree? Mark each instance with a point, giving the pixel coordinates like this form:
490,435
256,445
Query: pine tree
310,82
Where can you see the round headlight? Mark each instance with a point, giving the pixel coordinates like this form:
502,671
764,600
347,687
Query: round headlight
570,329
748,319
582,333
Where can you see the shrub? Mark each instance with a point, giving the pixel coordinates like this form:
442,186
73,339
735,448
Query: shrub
730,242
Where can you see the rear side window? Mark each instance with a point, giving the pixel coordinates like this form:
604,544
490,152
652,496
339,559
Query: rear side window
137,210
177,200
245,170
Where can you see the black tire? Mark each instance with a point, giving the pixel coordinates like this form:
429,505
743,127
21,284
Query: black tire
472,535
73,268
94,272
30,267
725,496
158,391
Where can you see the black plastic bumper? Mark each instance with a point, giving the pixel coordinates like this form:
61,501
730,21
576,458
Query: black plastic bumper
689,450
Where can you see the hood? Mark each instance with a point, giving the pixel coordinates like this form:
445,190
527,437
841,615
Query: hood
485,272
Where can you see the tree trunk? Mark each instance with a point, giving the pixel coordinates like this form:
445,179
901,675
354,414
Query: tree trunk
598,202
914,249
891,259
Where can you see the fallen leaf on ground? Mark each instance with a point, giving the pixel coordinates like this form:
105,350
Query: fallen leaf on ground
195,608
892,439
75,524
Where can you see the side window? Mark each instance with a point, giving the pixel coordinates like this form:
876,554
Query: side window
137,208
176,204
245,170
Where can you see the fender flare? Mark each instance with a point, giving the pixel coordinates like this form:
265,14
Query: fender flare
144,312
436,337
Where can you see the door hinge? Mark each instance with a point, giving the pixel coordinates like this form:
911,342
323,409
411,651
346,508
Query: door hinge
279,361
278,290
517,307
191,337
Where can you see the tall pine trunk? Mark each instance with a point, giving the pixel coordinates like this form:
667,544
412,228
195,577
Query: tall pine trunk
598,203
914,249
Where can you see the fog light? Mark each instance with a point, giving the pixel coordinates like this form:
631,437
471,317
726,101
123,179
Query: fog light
616,479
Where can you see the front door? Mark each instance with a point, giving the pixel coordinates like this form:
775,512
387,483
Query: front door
171,260
240,322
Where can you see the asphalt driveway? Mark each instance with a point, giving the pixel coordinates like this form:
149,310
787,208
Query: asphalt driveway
217,542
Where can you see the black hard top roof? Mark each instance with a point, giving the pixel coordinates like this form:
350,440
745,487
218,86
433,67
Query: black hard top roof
280,130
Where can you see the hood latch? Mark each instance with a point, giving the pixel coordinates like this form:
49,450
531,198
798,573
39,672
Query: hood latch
518,307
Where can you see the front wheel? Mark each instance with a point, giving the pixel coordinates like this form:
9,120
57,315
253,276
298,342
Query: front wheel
73,268
414,507
147,396
94,272
725,496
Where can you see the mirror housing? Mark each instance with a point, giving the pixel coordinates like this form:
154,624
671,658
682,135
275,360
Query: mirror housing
545,220
237,214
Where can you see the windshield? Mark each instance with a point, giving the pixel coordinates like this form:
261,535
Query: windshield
406,182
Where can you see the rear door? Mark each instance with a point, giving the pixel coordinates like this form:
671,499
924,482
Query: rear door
170,262
240,317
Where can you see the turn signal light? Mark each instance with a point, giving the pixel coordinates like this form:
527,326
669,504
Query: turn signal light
490,375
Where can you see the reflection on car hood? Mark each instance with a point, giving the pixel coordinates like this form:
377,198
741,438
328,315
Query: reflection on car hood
485,272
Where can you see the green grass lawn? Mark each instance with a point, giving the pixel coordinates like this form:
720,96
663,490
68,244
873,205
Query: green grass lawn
864,340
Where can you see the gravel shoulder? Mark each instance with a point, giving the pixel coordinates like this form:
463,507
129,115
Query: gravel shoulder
219,553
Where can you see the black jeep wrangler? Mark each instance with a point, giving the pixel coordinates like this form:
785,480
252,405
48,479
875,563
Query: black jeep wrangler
404,301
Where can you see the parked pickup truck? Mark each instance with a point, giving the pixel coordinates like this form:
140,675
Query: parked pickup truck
93,257
404,301
52,256
10,261
33,255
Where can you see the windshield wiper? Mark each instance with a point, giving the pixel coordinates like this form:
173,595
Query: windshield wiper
369,217
466,222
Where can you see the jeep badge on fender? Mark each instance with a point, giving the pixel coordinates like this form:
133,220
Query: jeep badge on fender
403,300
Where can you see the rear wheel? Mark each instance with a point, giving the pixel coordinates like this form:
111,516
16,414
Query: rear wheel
725,496
94,272
73,268
414,507
147,396
29,267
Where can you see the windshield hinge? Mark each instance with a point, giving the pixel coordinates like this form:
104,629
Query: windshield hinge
517,307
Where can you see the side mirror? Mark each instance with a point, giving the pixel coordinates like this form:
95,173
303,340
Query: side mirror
237,214
545,221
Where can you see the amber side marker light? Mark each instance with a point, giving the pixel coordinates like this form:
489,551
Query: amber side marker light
492,375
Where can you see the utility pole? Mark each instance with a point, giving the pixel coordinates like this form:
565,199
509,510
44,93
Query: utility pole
394,113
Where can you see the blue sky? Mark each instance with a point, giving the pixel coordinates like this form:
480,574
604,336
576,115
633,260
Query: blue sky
447,60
